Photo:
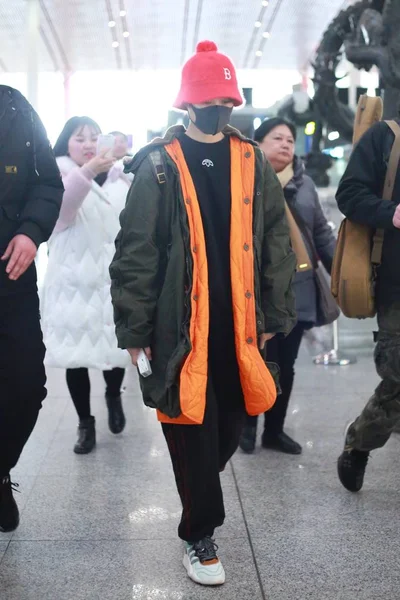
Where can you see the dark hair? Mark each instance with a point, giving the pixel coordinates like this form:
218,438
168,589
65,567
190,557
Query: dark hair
269,124
119,133
72,125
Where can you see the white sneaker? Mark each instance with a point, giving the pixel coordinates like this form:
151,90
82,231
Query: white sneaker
202,563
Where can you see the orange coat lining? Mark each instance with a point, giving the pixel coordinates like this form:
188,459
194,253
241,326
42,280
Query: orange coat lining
258,386
194,373
257,383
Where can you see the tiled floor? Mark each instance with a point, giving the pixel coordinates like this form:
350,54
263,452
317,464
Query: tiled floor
103,526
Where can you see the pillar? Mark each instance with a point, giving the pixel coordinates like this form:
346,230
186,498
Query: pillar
67,95
354,82
32,18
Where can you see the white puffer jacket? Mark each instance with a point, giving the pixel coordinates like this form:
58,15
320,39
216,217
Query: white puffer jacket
77,315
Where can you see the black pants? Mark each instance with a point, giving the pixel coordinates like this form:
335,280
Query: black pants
79,387
22,374
200,452
284,352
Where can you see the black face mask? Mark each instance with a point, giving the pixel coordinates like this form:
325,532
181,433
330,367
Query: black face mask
212,119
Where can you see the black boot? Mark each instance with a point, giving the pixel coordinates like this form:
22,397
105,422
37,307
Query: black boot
87,436
281,443
247,440
351,468
116,417
9,513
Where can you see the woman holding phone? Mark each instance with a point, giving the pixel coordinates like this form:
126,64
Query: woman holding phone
76,305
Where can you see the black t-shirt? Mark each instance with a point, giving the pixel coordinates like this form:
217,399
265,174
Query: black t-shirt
210,168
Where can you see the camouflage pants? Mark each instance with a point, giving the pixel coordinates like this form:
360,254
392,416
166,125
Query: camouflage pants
381,415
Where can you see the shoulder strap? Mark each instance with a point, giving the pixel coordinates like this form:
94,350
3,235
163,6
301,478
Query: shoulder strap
391,173
304,262
159,167
304,231
393,161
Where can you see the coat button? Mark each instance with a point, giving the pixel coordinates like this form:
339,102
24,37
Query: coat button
259,322
248,295
258,193
249,340
188,201
246,247
195,298
247,154
28,144
247,200
195,249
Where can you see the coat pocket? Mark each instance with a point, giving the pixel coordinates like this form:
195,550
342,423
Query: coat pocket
10,212
9,222
275,371
257,286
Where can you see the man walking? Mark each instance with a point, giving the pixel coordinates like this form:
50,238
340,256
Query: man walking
202,278
30,197
359,197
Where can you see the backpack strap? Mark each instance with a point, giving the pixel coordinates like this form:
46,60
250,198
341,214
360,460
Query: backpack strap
164,219
391,173
159,167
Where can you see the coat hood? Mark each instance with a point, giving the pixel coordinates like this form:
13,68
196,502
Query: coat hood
176,131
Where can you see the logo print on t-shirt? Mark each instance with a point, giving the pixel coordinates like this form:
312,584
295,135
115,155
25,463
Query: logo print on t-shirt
207,163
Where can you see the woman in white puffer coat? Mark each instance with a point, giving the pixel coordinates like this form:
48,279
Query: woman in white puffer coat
76,306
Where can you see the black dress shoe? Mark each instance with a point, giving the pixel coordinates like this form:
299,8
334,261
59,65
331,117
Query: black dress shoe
247,440
281,443
9,513
116,417
86,436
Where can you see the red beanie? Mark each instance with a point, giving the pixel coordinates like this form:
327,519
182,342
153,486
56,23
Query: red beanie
207,75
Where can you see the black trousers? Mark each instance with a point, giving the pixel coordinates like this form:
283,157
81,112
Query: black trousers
284,352
79,387
200,452
22,374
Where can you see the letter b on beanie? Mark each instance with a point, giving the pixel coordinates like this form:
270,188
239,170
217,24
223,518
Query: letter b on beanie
208,75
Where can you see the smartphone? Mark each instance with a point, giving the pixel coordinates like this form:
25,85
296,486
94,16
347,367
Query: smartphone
105,142
144,365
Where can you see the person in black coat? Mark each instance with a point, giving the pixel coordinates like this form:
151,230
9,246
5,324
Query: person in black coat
31,192
359,197
276,137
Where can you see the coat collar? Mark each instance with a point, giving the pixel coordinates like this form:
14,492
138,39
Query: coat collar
297,180
176,131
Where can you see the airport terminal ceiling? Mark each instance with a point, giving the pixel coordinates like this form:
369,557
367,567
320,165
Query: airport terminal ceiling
77,35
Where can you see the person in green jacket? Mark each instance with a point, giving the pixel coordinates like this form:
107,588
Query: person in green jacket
201,280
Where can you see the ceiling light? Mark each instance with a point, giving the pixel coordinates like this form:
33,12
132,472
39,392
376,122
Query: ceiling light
115,44
334,135
266,35
111,23
126,34
257,24
259,53
265,3
310,128
122,13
